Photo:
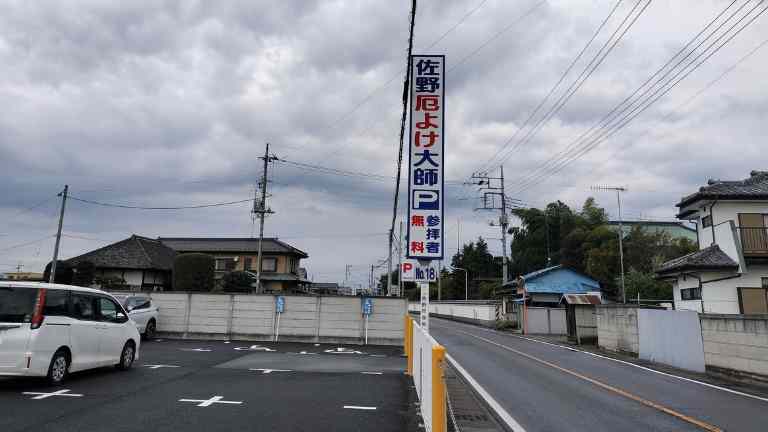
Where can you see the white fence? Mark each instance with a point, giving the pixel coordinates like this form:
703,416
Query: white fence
671,337
479,312
425,365
332,319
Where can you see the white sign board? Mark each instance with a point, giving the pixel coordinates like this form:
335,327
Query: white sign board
426,157
414,271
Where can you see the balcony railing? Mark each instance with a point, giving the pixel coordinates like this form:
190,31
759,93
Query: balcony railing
754,241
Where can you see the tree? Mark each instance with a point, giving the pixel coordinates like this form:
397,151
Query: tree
84,274
479,262
237,281
193,272
64,273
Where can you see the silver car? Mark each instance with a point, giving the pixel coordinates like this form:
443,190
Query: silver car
142,311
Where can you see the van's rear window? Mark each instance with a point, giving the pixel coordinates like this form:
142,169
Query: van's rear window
17,304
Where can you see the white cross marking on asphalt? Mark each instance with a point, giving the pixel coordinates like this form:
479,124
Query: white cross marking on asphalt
342,351
56,393
303,353
358,407
211,401
197,349
254,348
268,371
158,366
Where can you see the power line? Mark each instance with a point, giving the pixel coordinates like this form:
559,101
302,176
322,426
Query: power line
585,74
159,208
34,206
575,150
26,243
370,95
554,87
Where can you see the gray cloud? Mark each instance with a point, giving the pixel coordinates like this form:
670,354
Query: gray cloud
171,102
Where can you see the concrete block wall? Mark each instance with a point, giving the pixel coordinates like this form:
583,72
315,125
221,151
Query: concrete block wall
483,313
331,319
736,343
617,328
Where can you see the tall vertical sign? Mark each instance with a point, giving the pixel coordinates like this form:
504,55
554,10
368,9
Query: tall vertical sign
426,157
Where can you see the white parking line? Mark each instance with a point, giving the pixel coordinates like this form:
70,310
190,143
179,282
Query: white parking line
159,366
269,371
211,401
196,349
355,407
41,395
372,373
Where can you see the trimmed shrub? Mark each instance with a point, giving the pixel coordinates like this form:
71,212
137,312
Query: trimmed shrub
237,281
193,272
64,273
84,274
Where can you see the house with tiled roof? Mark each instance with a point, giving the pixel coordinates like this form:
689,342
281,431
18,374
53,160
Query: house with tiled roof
136,263
280,269
729,272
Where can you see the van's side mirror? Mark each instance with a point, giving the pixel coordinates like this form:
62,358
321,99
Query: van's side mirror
129,309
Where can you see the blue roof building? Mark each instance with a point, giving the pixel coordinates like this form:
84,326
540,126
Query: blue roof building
547,286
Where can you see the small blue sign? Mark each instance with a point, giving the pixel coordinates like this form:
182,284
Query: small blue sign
280,304
367,306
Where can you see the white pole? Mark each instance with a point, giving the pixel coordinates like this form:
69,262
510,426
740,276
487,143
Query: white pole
277,329
366,329
424,315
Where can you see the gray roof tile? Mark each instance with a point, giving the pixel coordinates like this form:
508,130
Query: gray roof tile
754,187
229,245
135,252
711,258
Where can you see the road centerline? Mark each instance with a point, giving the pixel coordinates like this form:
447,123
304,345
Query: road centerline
696,422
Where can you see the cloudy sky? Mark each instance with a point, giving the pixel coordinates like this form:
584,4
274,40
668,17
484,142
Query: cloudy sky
170,103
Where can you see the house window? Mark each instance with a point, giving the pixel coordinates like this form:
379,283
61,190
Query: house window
706,221
690,293
269,264
225,264
753,300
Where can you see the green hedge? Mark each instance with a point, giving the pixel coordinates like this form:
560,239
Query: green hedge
193,272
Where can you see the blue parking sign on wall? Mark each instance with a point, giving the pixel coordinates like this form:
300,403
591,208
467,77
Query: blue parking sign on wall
280,304
367,306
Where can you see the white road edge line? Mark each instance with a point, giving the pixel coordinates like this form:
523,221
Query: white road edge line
501,412
359,407
725,389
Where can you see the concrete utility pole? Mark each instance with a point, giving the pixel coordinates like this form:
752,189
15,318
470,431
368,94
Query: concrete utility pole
400,262
389,261
618,190
490,192
261,209
63,195
371,283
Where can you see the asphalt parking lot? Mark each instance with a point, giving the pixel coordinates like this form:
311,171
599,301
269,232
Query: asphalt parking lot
222,386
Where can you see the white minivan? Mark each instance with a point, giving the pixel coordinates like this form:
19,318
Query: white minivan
50,330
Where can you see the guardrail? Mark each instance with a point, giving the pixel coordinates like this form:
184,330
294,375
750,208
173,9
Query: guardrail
426,362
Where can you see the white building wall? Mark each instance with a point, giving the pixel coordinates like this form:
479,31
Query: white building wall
719,297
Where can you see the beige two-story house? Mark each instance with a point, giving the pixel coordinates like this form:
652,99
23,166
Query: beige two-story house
279,264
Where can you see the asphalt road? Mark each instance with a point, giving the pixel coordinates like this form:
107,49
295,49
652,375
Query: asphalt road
262,386
548,388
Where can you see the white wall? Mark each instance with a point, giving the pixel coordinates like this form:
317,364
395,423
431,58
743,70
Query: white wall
333,319
719,297
482,313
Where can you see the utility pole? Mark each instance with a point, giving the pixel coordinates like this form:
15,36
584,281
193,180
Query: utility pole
400,262
439,280
19,267
490,192
371,281
389,260
618,190
63,195
262,210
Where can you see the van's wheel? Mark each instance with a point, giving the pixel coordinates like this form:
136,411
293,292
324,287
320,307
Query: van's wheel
149,332
127,356
59,368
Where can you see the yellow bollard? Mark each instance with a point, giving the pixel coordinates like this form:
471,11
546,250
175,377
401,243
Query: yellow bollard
409,344
439,416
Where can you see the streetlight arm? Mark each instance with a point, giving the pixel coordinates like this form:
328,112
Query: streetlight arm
466,282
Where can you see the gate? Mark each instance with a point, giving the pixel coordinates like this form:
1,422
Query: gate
672,337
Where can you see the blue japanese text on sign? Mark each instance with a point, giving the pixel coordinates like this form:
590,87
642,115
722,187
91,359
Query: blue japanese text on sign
426,158
280,304
367,306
